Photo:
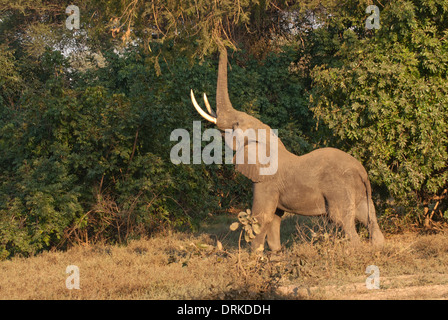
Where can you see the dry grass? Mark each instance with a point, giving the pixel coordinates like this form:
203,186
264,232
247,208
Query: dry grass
314,265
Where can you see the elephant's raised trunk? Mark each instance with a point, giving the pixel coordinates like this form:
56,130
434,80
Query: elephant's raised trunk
223,103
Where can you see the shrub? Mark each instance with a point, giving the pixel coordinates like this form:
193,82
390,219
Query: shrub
386,101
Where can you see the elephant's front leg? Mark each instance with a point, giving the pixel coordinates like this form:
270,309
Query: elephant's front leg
273,232
264,207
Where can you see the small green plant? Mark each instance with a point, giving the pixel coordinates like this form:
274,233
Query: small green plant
250,226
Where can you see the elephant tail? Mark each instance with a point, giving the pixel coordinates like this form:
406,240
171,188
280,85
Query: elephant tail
368,199
371,219
375,235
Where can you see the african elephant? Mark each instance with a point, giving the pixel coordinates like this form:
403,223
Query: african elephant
325,181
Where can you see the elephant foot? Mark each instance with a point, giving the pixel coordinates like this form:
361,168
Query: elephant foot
377,239
353,237
276,256
354,242
257,248
274,247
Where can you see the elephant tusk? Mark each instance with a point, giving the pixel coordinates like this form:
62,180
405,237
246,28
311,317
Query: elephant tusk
209,108
201,112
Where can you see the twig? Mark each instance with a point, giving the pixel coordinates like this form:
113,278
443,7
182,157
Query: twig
240,265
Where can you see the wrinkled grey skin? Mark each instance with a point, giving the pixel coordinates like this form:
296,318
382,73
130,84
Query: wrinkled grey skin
325,181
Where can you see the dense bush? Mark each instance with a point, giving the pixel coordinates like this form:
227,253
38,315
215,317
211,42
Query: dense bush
386,100
85,155
84,143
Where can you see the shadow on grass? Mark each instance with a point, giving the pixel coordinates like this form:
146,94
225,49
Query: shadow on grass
294,229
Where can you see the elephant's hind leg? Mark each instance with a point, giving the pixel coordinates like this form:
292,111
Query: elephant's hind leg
349,227
362,215
344,216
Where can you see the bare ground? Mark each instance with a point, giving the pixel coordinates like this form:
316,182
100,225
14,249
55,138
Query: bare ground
392,288
184,266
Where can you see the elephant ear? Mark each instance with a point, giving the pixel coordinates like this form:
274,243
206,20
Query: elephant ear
258,159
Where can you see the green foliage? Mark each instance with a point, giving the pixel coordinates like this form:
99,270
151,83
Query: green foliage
386,99
9,77
249,225
67,150
84,140
85,155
